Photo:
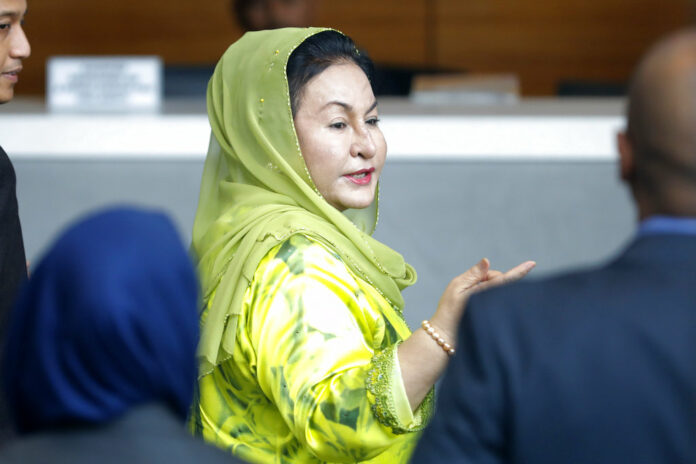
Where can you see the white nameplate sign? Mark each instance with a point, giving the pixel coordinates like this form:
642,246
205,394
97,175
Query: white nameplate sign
104,84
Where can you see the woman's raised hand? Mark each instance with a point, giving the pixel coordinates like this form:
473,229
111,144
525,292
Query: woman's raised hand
480,277
422,360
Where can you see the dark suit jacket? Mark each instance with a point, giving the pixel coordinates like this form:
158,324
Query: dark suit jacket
13,270
590,367
149,434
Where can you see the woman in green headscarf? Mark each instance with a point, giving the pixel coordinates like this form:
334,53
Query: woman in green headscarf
304,354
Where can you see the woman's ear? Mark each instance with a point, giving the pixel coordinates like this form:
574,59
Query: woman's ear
626,158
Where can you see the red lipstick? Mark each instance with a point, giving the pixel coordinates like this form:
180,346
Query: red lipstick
361,177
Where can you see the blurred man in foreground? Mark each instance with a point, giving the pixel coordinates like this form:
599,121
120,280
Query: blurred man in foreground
14,47
595,366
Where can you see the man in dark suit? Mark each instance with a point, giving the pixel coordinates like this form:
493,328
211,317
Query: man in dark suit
14,47
596,366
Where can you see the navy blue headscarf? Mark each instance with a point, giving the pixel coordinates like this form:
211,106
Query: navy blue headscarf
107,321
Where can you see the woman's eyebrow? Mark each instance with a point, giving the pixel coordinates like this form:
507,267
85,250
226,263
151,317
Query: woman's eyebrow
348,107
372,107
345,106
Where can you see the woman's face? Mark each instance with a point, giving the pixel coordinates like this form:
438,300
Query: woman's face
341,143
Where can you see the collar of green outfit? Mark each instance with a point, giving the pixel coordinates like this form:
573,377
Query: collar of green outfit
256,192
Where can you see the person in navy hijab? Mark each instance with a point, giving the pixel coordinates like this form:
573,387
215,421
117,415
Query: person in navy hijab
100,361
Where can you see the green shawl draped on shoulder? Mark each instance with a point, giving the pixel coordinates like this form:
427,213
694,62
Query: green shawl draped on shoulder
256,192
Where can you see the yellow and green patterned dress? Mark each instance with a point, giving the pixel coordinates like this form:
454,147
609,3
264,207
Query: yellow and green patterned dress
314,375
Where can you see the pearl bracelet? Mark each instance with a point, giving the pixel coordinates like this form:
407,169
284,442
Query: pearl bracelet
436,336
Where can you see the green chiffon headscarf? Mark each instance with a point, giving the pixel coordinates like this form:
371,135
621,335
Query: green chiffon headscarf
256,192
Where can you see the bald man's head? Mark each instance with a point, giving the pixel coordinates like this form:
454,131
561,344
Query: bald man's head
662,125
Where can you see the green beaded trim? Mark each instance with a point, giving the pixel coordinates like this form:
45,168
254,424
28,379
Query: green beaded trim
378,383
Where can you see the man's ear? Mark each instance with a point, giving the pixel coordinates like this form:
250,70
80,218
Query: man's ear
626,159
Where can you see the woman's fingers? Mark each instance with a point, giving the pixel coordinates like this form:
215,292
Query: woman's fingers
519,271
516,273
475,275
459,287
453,300
493,274
479,277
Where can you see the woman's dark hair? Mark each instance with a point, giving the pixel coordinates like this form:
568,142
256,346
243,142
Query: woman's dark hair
316,54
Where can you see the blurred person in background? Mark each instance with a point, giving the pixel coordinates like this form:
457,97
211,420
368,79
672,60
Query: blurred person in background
100,361
14,47
252,15
257,15
595,366
305,356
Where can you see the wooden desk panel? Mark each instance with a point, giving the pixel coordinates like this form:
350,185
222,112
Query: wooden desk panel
541,40
544,41
178,31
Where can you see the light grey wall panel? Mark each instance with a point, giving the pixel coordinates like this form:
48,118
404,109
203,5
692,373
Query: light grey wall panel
444,217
